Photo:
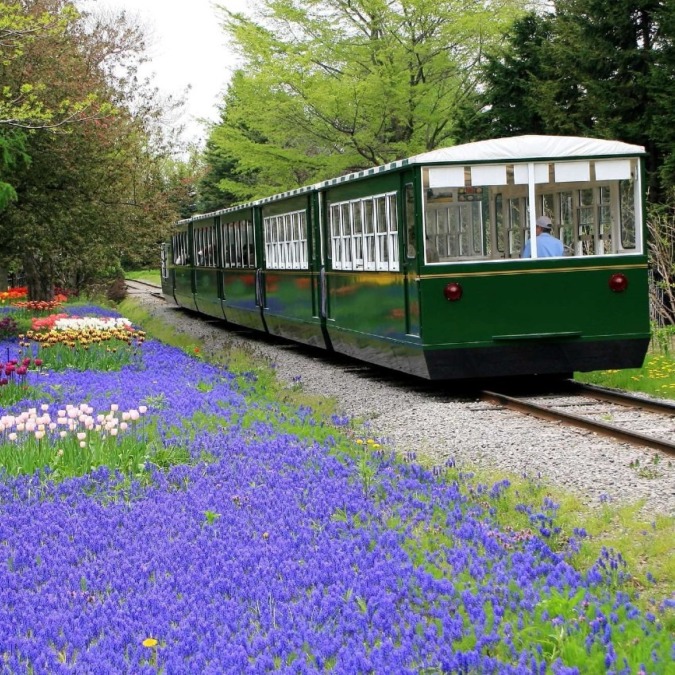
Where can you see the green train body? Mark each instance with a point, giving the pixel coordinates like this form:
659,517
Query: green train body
416,265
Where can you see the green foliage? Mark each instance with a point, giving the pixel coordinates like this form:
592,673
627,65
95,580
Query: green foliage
100,186
656,377
589,68
661,243
8,327
345,86
211,517
23,29
12,153
509,104
117,290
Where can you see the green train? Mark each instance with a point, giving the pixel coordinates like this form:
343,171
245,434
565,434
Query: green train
418,265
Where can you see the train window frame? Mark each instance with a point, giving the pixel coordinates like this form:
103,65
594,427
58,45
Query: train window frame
285,240
594,217
236,249
456,225
180,247
373,245
164,260
409,216
204,245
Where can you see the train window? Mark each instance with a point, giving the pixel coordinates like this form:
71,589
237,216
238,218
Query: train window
368,234
586,220
628,216
591,204
180,249
566,221
204,243
364,233
516,223
381,249
301,243
163,261
285,241
392,231
605,234
411,241
238,255
346,235
237,244
357,222
270,250
455,226
499,222
335,236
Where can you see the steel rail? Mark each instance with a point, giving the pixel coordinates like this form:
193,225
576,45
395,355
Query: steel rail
156,290
622,398
543,412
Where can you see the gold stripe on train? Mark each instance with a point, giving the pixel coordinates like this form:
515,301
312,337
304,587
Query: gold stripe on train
540,270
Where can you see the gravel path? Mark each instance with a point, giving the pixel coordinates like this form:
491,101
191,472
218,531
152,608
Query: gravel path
438,426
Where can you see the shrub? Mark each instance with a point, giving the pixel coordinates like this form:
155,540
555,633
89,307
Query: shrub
117,291
8,327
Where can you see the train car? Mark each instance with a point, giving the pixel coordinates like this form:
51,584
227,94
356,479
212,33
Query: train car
418,265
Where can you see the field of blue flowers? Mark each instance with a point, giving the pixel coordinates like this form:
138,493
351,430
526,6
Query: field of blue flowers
281,544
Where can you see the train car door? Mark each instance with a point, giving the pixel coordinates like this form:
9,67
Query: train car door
166,273
411,247
318,262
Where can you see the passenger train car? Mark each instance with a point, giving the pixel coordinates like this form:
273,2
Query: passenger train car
416,265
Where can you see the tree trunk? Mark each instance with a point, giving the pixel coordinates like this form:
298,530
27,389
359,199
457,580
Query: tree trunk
39,278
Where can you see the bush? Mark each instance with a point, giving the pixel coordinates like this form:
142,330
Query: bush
8,327
117,291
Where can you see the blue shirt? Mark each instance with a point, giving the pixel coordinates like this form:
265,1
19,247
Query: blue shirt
547,247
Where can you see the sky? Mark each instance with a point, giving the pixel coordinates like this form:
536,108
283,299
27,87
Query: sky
187,46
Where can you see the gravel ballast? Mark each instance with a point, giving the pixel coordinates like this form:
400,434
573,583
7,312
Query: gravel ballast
438,427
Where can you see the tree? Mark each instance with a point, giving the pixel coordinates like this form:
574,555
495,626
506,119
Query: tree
94,190
661,224
522,78
25,98
329,87
591,67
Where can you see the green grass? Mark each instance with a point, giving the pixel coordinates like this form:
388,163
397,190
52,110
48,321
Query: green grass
657,375
150,276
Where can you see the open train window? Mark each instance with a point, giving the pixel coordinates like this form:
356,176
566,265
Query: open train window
180,247
205,246
454,216
237,244
483,211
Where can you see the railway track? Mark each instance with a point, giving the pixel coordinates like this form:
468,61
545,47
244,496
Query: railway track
622,416
135,287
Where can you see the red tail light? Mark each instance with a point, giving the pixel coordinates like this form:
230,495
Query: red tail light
618,283
453,291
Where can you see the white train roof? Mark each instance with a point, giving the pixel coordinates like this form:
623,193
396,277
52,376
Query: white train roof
510,149
521,148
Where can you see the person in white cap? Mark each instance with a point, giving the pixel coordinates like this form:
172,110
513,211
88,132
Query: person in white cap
548,246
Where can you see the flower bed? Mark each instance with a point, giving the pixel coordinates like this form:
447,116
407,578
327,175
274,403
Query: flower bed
289,551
